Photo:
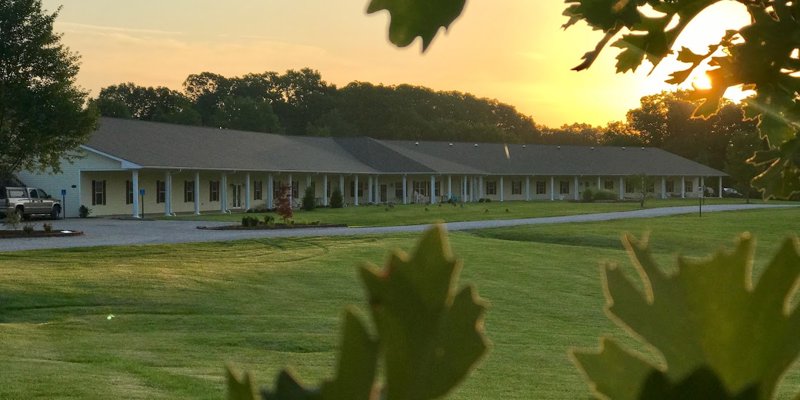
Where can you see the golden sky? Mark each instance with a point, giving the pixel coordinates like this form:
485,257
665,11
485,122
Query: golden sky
510,50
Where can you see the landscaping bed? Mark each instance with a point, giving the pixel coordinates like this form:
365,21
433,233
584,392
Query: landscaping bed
269,227
17,233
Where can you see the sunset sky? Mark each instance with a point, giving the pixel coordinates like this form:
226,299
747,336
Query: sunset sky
511,50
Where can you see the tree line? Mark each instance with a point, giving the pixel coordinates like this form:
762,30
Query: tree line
302,103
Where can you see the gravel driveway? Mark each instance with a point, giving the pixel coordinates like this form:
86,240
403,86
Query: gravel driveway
117,232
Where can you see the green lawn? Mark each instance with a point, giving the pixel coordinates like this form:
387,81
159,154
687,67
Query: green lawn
180,312
412,214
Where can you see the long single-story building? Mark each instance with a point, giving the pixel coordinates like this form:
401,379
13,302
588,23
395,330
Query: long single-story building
130,167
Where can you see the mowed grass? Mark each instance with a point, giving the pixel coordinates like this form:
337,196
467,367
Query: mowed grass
413,214
181,312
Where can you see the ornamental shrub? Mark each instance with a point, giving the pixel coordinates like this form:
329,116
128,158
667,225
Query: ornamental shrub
336,199
588,195
605,195
309,201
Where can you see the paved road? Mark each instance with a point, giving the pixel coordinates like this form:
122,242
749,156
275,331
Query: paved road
114,232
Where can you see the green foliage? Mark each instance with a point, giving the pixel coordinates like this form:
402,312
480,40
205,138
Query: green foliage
587,195
604,195
249,221
708,315
42,113
336,199
84,211
309,199
429,336
412,18
12,220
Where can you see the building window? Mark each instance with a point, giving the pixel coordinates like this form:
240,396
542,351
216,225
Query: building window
669,187
608,184
689,186
421,188
630,186
98,193
161,191
516,187
563,187
213,191
188,191
398,190
491,187
257,190
541,187
128,192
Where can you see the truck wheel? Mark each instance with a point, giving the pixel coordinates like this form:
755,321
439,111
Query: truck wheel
55,212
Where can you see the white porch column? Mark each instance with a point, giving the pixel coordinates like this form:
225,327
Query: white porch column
449,187
576,196
663,187
270,192
223,193
135,183
702,187
197,193
247,191
720,188
167,194
355,191
552,188
291,197
480,188
405,185
527,188
683,187
433,189
621,188
598,183
502,189
325,190
370,198
464,189
377,198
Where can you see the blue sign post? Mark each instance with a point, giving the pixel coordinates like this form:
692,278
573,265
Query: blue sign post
141,200
64,202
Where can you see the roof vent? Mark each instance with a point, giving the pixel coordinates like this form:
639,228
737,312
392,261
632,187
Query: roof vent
558,147
416,143
642,147
524,146
592,147
623,147
451,144
476,145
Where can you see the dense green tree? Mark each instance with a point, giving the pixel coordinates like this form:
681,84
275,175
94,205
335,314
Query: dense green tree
42,113
147,103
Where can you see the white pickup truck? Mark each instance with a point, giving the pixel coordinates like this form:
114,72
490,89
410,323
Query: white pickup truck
27,201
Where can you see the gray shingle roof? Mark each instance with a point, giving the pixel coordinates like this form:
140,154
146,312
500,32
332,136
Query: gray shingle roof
160,145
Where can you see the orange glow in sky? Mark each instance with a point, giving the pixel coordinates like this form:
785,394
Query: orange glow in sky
511,50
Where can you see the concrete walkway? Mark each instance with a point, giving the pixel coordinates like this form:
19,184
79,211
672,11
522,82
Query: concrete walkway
113,232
